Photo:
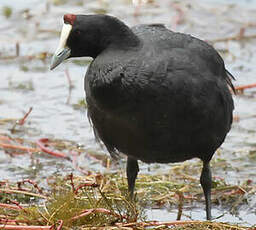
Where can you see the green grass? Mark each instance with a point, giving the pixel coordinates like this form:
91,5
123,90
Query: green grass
101,200
7,11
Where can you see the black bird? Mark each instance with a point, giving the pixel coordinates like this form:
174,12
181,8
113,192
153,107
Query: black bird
152,94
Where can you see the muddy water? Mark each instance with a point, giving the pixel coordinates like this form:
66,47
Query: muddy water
26,81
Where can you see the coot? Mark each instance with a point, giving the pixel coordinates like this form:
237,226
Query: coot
152,94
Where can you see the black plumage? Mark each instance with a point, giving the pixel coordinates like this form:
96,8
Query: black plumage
153,94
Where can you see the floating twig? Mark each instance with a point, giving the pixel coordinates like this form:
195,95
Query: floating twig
198,225
18,147
23,192
243,87
70,86
137,5
234,37
19,227
17,46
80,186
17,204
30,182
158,223
9,221
180,205
10,206
75,163
5,138
22,120
179,17
88,184
60,225
6,120
70,177
241,33
87,212
42,145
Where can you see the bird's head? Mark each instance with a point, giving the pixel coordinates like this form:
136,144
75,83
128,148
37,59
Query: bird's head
89,35
78,38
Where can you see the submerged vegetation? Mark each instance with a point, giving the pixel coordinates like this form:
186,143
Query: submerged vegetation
99,200
7,11
25,85
81,104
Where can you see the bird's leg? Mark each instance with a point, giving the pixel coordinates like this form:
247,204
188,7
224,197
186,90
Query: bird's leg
206,182
132,169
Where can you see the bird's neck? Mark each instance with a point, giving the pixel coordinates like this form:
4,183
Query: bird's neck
119,38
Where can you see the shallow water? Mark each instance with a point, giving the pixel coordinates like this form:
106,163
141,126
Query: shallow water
34,23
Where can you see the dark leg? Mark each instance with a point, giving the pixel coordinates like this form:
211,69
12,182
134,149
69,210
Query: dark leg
132,169
206,182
